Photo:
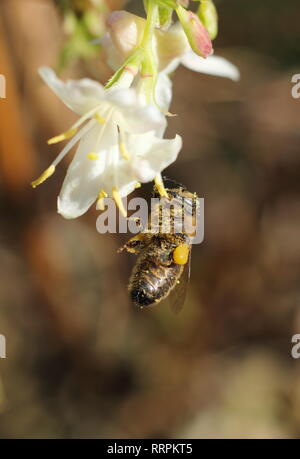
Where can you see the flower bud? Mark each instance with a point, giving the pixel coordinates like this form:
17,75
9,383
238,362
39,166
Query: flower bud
125,30
208,15
195,31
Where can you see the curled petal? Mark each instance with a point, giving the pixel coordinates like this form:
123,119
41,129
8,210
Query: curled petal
213,65
162,152
79,95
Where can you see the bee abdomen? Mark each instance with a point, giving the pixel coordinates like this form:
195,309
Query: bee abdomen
150,282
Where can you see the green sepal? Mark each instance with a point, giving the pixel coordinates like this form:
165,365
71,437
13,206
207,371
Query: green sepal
207,13
165,16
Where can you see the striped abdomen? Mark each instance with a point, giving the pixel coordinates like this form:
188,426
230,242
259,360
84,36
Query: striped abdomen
151,281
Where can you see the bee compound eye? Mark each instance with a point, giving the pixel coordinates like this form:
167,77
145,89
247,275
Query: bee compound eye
181,254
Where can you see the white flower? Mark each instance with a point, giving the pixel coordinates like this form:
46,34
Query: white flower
212,65
173,49
120,143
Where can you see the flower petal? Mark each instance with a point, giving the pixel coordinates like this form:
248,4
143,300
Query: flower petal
113,57
172,66
79,95
163,91
134,116
121,178
84,177
126,30
159,155
144,119
169,46
213,65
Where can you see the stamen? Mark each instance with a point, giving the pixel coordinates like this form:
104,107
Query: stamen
168,113
86,116
65,135
160,187
46,174
99,118
100,200
93,156
73,141
122,147
72,131
124,151
138,185
119,202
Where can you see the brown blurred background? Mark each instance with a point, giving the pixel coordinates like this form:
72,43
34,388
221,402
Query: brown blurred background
81,362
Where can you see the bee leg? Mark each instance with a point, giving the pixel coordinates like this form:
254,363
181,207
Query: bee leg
135,244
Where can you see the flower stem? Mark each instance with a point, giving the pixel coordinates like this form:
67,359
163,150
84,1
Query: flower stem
151,21
143,54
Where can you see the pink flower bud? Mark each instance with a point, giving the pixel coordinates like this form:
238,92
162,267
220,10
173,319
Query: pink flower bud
195,31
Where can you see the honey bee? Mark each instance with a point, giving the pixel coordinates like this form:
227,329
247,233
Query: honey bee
163,255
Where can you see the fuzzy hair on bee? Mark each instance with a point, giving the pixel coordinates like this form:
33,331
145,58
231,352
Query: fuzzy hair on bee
163,253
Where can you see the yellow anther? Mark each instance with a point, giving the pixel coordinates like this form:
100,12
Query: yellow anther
181,254
102,194
100,204
119,202
124,151
160,187
63,136
93,156
137,185
100,200
46,174
99,118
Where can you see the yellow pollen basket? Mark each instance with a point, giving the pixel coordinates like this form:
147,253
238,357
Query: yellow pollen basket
46,174
65,135
181,254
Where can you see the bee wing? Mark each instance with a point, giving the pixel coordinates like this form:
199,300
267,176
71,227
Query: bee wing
178,294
